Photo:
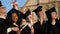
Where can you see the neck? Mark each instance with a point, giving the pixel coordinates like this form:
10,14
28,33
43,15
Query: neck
3,15
41,21
2,12
14,22
53,21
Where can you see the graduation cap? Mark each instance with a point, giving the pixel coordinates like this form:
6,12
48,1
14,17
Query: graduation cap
38,9
49,11
28,12
1,4
13,10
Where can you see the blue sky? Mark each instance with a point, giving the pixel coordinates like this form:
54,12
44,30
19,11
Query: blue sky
8,6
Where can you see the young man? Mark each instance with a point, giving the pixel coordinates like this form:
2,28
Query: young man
2,19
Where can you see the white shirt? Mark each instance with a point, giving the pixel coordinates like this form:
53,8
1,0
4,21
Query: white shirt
3,17
15,24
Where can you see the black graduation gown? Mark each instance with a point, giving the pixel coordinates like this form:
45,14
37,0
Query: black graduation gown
38,28
3,26
53,29
26,30
12,32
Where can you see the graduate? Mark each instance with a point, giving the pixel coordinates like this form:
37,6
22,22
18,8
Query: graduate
3,22
2,19
27,28
53,26
39,26
14,20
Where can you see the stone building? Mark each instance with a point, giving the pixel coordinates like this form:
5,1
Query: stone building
47,4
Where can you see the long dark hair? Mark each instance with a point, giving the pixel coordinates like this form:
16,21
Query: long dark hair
9,19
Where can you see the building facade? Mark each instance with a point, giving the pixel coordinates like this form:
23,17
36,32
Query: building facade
47,4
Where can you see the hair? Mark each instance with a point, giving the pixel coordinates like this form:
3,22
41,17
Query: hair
50,17
9,18
37,14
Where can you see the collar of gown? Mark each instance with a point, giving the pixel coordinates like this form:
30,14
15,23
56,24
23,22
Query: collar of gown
3,17
15,24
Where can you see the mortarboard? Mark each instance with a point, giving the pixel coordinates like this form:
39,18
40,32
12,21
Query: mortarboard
13,10
26,14
38,9
1,4
49,11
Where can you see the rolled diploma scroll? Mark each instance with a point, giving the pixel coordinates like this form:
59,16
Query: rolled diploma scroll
23,27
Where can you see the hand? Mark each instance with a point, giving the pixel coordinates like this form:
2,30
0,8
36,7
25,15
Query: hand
15,28
32,30
18,32
14,4
31,18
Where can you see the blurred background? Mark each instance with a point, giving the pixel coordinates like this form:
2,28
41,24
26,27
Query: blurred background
33,4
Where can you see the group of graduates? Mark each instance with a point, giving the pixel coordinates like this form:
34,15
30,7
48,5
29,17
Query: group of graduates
11,23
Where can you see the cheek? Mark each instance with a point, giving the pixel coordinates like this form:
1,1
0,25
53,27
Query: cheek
3,10
54,16
41,14
14,18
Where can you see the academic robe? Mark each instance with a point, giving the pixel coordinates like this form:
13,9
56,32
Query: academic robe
53,29
12,25
3,26
26,30
38,28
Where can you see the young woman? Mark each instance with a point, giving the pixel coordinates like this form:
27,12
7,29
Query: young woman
14,21
39,26
53,26
27,28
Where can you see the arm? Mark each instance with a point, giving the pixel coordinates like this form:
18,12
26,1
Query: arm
2,28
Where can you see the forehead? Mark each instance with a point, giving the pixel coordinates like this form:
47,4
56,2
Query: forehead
53,12
40,11
2,7
13,13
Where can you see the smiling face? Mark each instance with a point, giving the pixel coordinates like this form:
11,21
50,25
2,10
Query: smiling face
53,15
14,17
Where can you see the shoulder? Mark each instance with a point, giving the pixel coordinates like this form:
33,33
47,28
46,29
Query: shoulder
36,23
1,19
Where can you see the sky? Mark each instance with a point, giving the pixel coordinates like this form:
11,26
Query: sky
8,6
